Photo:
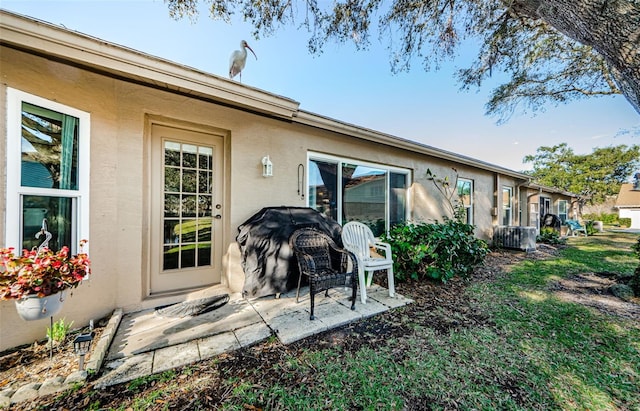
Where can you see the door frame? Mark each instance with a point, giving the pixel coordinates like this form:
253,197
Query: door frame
148,241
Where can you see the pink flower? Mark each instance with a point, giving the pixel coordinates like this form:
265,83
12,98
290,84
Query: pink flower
40,273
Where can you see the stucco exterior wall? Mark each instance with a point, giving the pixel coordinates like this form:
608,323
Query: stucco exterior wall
121,114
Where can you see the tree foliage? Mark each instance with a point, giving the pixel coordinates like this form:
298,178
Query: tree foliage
553,50
592,176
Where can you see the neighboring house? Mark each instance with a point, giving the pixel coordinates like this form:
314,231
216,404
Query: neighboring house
545,200
628,203
157,164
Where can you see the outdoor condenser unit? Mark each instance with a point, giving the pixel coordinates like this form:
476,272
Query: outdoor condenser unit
521,238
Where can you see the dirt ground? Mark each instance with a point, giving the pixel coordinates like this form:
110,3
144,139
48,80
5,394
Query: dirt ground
440,307
40,361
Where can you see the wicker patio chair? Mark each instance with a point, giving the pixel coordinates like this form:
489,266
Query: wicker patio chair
324,263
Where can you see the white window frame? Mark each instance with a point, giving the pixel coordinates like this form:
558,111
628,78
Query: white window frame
338,160
15,191
469,209
509,207
566,210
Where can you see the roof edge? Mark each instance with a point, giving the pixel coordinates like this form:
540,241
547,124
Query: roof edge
57,41
318,121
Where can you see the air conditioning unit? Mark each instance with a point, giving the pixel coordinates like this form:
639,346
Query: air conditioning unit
521,238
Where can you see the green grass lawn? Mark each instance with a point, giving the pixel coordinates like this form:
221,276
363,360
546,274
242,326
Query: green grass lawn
538,353
529,350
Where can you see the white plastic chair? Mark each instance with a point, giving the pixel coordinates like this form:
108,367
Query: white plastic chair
358,238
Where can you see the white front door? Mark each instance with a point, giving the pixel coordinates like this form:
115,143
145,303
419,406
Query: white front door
186,209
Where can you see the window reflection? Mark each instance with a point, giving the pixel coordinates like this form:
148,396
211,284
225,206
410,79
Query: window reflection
58,211
372,195
323,178
49,148
465,195
365,194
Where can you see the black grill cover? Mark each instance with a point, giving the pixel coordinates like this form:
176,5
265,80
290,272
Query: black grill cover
267,260
551,220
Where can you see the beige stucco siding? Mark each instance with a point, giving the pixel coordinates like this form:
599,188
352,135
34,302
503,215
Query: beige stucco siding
111,231
121,113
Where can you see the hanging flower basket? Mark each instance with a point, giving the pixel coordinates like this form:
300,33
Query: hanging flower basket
32,307
40,275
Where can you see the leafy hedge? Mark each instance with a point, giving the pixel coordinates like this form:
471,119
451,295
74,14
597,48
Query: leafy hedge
437,251
549,236
606,218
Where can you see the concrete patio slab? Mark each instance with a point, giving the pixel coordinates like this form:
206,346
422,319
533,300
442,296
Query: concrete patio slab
175,356
296,325
217,344
147,330
126,369
252,333
147,342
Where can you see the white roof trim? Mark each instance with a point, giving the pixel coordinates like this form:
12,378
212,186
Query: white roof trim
49,39
325,123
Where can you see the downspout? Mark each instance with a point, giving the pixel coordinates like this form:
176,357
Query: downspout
524,182
496,199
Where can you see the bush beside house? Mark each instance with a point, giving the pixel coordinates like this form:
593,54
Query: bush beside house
436,251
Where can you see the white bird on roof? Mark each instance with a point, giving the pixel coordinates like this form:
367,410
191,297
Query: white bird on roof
238,60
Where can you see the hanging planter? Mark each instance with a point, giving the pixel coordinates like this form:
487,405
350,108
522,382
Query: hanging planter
32,307
36,279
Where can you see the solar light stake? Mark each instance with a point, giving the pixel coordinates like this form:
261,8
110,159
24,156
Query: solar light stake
81,347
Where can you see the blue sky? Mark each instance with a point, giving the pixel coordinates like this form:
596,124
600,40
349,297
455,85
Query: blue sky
341,83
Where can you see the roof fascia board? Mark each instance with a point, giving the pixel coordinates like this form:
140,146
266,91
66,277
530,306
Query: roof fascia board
48,39
552,190
325,123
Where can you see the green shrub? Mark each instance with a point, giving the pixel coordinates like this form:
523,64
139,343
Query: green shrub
437,251
626,222
606,218
549,236
590,227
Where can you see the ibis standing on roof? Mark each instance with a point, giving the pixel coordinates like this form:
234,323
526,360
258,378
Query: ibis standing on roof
238,60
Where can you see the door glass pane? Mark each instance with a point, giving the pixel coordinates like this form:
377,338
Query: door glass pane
205,158
58,213
188,198
323,185
170,257
49,148
189,156
364,196
189,181
171,179
204,254
204,230
188,206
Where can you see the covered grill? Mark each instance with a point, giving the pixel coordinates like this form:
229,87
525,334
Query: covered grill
267,260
